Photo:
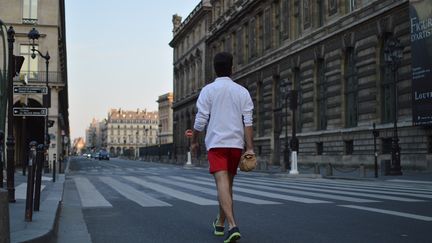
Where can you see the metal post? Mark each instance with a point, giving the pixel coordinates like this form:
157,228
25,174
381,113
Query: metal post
4,217
54,167
294,139
1,157
286,149
30,182
39,164
24,142
375,135
46,97
10,143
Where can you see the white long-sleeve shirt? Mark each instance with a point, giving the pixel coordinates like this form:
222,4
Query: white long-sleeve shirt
226,107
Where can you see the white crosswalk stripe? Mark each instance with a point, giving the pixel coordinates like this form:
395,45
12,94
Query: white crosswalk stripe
172,192
89,195
133,194
145,184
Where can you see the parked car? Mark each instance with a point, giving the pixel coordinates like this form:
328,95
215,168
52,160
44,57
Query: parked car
95,155
103,154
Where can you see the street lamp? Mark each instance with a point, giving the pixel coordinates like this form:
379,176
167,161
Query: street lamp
34,35
285,93
393,54
10,142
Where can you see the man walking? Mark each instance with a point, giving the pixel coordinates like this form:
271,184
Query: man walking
225,107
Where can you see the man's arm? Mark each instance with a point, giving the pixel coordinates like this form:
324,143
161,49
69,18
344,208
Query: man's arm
249,140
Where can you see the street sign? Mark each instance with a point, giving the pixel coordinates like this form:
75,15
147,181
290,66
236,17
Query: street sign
189,133
30,90
29,111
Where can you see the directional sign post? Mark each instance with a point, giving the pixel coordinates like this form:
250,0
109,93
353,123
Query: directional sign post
29,111
30,90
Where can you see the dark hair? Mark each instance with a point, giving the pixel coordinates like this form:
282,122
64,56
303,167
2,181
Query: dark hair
222,63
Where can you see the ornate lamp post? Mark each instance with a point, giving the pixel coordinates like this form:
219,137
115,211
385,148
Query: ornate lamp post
34,35
393,54
10,142
4,79
285,93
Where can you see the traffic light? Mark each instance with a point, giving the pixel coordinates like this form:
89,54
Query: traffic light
50,123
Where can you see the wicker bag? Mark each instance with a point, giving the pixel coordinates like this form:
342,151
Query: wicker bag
248,162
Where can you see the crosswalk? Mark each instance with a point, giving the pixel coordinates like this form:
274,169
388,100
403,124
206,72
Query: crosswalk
154,190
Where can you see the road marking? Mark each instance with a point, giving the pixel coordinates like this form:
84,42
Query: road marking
383,211
209,191
21,191
344,187
261,185
410,181
90,197
171,192
133,194
265,194
370,195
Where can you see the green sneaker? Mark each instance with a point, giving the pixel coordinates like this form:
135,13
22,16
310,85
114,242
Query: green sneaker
218,230
233,235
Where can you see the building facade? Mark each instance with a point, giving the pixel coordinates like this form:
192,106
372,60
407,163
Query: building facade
96,135
48,17
332,53
189,48
127,131
165,118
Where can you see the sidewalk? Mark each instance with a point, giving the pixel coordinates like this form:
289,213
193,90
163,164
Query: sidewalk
43,226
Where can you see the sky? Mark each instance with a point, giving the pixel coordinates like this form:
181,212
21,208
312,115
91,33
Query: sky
118,56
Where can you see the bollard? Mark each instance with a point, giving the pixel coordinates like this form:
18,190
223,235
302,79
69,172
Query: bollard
329,170
40,155
362,170
317,169
30,182
54,167
4,217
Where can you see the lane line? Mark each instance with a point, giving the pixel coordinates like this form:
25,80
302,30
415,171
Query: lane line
133,194
395,213
171,192
89,195
210,191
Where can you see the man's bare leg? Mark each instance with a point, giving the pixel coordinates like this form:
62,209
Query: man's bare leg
224,183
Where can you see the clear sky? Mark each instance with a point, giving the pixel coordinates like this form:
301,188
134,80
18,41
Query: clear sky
118,55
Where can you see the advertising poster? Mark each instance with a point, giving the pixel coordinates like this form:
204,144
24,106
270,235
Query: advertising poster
421,47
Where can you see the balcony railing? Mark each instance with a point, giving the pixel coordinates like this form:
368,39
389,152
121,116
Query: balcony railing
39,77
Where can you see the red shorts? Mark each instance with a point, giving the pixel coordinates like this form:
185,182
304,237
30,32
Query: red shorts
226,159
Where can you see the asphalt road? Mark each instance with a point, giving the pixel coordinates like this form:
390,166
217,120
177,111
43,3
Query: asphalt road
136,201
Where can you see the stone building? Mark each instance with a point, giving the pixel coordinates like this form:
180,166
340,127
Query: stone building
189,64
165,118
332,53
127,131
48,18
96,135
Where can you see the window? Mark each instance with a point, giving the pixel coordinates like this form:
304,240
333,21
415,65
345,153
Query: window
321,10
351,5
240,47
260,110
386,145
252,38
276,23
246,42
267,29
349,147
297,85
321,95
351,89
30,11
306,14
319,148
387,90
285,19
30,65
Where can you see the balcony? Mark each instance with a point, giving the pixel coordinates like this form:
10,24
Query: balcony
33,77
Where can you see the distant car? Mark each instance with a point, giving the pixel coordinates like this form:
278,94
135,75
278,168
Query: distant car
95,155
103,154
